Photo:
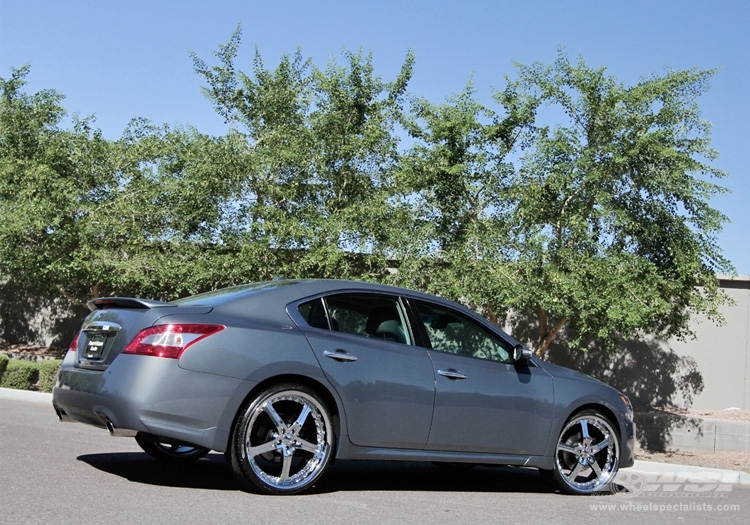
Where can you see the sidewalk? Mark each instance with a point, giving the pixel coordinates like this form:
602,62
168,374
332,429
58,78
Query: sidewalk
648,468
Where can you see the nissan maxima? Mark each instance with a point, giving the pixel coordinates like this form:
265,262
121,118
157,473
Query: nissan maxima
285,376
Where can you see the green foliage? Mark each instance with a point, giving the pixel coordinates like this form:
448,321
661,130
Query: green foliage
613,228
47,374
315,155
50,181
454,181
21,375
599,221
4,359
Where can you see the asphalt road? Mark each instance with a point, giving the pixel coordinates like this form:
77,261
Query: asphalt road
53,472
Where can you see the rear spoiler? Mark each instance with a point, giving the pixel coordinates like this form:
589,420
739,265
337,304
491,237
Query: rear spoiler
102,303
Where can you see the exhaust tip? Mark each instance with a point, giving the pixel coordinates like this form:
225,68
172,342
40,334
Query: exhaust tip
62,415
118,432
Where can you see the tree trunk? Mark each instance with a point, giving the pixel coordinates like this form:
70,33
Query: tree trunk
546,336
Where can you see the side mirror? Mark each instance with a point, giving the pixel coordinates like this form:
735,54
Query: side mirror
521,353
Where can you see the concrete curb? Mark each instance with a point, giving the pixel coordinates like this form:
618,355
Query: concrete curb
659,471
25,395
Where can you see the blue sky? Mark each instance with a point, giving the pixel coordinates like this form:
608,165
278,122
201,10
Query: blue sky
125,59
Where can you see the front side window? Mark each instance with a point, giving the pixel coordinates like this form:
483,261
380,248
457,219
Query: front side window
453,333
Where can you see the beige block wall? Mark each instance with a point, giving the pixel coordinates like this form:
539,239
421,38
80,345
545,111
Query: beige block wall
722,353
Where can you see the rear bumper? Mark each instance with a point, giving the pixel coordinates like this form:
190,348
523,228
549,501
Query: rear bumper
145,394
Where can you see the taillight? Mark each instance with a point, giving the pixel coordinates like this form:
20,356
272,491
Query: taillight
169,340
73,347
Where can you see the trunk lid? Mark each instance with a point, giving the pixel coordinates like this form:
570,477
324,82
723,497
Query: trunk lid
115,321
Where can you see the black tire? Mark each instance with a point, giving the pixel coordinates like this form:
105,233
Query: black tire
168,450
283,440
587,454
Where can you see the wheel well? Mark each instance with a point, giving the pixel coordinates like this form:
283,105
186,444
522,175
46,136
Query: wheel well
316,386
599,408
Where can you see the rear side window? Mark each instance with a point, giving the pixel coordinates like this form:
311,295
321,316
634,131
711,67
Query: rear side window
314,314
366,315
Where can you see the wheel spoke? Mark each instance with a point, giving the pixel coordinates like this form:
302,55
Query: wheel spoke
275,417
597,469
567,448
585,430
302,417
574,474
261,449
601,445
307,446
286,466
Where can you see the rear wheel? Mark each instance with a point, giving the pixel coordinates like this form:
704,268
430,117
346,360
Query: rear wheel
283,440
168,450
587,455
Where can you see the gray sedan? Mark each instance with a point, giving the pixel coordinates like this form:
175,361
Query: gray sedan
284,376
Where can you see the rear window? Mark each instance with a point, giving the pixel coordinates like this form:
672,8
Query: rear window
226,295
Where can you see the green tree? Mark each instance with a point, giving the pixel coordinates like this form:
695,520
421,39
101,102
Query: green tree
455,181
319,149
613,231
81,216
156,230
49,180
600,224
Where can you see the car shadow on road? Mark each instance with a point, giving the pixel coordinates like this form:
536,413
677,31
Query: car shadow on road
212,473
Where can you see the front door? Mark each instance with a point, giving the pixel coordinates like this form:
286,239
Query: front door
484,402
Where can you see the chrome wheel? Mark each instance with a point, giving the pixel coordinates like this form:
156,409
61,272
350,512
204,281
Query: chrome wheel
587,454
283,440
169,450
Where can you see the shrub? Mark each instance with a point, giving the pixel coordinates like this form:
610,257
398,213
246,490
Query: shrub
21,375
47,374
3,364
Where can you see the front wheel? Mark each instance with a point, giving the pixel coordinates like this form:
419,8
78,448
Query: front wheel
168,450
587,454
283,440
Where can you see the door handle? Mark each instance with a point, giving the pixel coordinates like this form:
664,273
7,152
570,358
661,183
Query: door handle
340,355
452,374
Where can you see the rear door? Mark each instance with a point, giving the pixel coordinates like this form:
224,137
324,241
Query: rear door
365,347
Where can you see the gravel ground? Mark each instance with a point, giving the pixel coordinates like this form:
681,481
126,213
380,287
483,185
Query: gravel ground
722,460
729,414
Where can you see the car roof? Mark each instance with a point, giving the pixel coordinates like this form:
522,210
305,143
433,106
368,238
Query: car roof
290,290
